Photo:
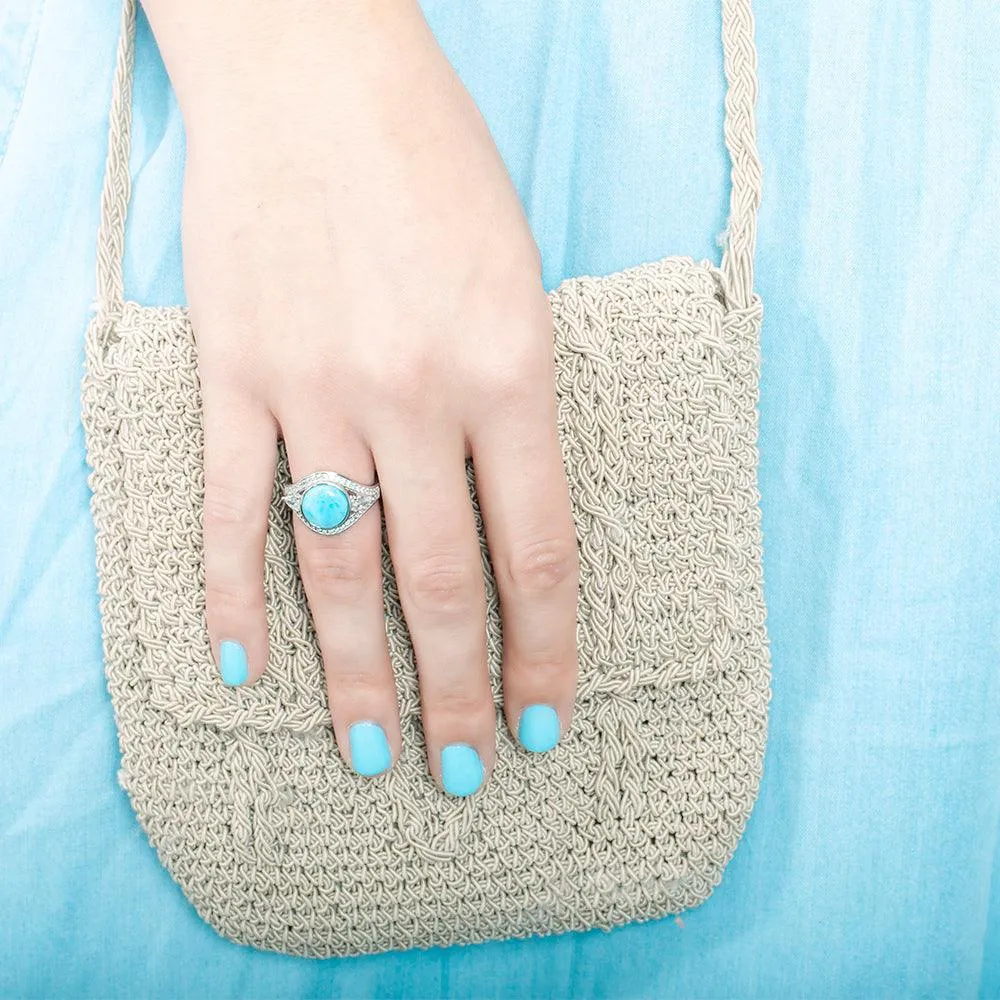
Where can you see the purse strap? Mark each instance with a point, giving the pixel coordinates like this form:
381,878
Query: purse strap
739,238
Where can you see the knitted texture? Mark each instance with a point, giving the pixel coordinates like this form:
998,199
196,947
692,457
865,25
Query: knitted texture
638,809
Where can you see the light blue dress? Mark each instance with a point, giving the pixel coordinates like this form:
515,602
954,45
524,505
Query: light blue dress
870,867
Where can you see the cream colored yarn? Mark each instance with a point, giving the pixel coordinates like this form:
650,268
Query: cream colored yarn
636,813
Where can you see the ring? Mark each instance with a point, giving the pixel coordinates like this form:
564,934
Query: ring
328,502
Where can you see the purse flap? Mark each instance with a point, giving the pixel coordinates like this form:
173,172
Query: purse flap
656,385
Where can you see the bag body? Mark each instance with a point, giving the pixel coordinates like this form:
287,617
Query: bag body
637,811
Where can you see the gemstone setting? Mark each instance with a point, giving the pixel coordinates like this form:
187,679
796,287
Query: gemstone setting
328,502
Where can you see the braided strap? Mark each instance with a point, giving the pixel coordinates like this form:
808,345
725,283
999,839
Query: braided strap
740,62
117,182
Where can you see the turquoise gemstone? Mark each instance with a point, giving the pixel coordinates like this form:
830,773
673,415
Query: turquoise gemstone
325,506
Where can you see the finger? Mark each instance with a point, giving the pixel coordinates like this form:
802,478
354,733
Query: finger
342,576
438,568
525,503
239,462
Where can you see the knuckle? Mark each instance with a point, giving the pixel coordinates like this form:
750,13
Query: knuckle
443,585
308,382
519,367
526,329
533,319
339,572
543,565
404,379
517,359
351,684
513,380
546,672
306,379
462,704
222,598
227,505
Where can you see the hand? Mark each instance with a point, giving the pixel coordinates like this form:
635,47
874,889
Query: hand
363,283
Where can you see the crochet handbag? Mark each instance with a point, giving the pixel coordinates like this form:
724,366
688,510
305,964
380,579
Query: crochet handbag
635,814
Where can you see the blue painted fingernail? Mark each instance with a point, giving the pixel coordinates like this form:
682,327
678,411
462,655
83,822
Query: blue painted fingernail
233,663
461,769
370,753
538,729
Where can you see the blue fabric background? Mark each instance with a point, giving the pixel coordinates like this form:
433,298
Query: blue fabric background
871,866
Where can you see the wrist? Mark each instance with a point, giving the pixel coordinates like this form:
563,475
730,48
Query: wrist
233,63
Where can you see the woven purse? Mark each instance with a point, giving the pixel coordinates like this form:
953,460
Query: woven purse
635,814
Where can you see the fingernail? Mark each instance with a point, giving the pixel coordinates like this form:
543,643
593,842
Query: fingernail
233,663
538,729
461,769
370,753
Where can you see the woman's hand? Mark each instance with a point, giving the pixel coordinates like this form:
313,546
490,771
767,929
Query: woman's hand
362,282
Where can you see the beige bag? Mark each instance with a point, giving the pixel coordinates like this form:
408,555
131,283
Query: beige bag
634,815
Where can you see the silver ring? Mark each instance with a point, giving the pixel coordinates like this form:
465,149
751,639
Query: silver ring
329,503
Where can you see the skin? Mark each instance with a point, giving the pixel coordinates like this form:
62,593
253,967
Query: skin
363,284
